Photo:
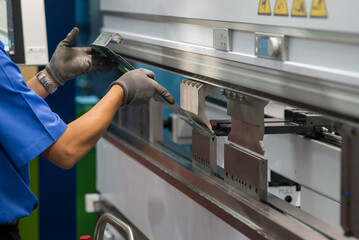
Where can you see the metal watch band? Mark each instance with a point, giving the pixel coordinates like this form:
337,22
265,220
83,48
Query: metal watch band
46,82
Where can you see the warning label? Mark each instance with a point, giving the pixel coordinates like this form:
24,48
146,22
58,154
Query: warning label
281,8
299,9
318,9
264,7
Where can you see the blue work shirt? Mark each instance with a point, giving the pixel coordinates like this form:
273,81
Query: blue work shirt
27,128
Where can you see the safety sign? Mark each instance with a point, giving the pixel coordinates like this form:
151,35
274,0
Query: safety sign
298,9
264,7
318,9
281,8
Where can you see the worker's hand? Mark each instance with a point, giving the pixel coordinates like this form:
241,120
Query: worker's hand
139,86
68,62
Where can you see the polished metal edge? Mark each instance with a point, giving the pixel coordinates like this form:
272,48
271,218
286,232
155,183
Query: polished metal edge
254,219
306,218
104,206
246,27
288,88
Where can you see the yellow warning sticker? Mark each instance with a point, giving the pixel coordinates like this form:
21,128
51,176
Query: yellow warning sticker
281,8
299,9
264,7
318,9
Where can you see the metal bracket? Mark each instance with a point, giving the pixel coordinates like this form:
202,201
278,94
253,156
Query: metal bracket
245,171
247,114
204,152
193,96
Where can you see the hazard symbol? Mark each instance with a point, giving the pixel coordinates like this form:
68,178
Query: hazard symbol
264,7
281,8
299,9
318,9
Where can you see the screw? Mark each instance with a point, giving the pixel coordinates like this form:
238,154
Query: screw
240,97
234,95
324,129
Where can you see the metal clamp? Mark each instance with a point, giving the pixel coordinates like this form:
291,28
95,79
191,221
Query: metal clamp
117,223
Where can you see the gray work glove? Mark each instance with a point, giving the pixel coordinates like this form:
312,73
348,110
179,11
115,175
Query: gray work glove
68,62
139,86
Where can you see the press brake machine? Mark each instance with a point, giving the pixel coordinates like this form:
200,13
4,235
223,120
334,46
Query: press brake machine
278,83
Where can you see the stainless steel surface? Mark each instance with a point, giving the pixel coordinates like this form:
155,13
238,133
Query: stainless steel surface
293,89
204,152
246,171
308,219
253,218
349,180
107,218
248,27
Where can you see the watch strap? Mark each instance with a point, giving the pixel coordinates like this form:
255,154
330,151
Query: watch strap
41,76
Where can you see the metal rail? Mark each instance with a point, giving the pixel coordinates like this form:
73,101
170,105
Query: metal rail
348,38
115,222
252,80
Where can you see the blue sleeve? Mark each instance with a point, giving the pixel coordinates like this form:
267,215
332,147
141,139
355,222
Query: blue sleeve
27,124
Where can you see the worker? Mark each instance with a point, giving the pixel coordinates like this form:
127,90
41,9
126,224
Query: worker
29,128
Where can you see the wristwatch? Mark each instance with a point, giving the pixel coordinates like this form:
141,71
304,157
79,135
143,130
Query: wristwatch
41,76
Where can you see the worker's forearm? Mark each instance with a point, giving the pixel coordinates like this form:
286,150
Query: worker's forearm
83,133
35,85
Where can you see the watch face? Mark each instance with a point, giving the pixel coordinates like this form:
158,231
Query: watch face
46,82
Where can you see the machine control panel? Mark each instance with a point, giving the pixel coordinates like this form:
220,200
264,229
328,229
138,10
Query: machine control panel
222,39
271,46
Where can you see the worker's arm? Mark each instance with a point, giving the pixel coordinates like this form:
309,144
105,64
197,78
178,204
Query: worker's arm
83,133
133,88
35,85
69,62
